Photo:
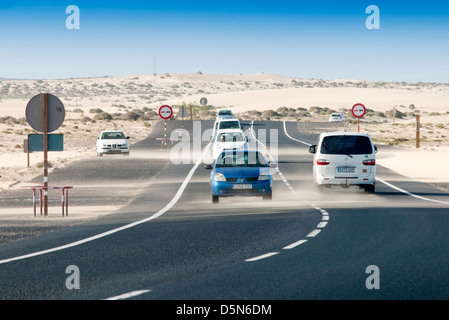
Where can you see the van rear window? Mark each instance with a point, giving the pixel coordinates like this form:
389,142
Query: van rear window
346,145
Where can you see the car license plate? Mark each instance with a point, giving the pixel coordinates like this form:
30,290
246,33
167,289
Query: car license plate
346,170
243,186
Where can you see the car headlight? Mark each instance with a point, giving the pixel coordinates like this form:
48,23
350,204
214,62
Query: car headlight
264,176
219,177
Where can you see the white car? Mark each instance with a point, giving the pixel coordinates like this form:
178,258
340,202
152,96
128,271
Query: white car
112,142
222,124
225,114
344,159
229,139
337,117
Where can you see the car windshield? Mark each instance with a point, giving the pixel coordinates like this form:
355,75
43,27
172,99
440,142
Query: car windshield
229,125
241,159
225,113
112,135
230,137
346,145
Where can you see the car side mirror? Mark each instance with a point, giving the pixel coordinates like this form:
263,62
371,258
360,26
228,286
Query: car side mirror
312,149
375,149
127,137
208,166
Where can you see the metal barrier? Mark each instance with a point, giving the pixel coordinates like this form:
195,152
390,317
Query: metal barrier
64,197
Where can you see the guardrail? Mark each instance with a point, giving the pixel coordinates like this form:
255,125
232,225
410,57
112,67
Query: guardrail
64,196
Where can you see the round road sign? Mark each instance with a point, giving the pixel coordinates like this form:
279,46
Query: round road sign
358,110
35,112
203,101
165,112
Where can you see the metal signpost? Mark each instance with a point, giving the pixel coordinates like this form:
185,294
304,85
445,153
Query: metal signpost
165,112
358,111
45,113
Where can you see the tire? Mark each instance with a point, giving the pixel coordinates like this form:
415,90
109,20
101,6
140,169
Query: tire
215,199
319,187
370,188
268,196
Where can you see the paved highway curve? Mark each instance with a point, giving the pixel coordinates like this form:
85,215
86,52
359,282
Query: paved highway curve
170,242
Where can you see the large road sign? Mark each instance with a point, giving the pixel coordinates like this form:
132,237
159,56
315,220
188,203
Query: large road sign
55,112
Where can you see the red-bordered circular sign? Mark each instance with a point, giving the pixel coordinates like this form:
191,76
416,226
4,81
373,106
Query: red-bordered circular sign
165,112
358,110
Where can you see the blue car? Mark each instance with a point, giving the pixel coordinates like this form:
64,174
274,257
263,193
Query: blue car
240,173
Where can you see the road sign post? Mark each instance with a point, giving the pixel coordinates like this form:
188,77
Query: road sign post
165,112
45,113
358,111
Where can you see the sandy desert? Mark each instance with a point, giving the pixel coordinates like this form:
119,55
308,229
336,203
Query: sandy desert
130,103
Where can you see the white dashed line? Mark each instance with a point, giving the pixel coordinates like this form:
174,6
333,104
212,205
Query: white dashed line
263,256
324,213
128,295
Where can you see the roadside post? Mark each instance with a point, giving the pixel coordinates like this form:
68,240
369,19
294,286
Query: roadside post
418,125
165,112
358,111
45,113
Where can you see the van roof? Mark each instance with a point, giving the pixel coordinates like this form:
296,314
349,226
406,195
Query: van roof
326,134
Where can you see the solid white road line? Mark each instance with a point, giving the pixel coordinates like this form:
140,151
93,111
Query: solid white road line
107,233
286,133
409,193
128,295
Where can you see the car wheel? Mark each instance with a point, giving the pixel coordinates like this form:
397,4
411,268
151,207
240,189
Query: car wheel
370,188
215,199
268,196
319,187
126,153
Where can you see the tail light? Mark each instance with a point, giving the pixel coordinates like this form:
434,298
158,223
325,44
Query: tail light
322,162
369,162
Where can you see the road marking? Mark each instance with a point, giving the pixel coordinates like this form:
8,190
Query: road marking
128,295
263,256
286,133
128,226
295,244
313,233
409,193
324,213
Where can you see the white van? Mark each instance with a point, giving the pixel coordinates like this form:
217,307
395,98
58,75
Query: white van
344,159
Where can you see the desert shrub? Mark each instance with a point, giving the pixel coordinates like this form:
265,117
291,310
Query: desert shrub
268,114
103,116
95,110
132,116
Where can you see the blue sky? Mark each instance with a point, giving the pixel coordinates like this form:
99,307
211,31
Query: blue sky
311,39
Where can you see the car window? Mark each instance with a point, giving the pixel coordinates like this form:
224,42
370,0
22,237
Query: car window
229,125
346,145
241,159
225,113
112,135
230,137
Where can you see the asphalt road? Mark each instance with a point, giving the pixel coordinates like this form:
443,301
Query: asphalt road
169,242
